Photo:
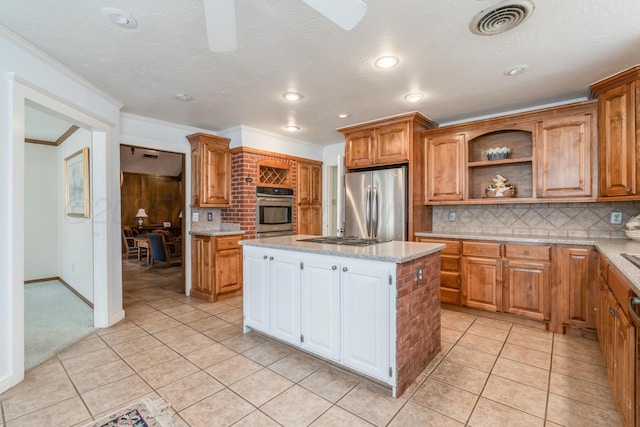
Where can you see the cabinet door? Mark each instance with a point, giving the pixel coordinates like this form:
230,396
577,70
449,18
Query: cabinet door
216,175
624,367
315,184
303,188
365,318
202,267
617,142
526,289
284,297
445,167
321,307
481,283
564,157
578,275
228,271
392,143
358,149
256,283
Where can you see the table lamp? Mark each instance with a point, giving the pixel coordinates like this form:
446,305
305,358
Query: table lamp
141,214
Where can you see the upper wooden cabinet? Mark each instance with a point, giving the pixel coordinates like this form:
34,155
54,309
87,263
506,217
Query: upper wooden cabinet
382,142
210,171
563,151
551,157
619,146
309,198
444,167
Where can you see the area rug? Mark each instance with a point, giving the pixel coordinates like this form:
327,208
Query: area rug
146,413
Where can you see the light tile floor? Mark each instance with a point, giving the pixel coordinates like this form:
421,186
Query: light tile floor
194,355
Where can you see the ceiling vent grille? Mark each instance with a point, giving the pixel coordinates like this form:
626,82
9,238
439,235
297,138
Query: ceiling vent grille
501,17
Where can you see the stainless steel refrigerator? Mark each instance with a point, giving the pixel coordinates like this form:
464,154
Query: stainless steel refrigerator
375,204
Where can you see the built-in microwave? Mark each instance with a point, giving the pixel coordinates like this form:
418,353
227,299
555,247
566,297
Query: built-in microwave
274,210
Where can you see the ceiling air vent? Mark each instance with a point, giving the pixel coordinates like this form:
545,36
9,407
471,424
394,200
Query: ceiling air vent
502,17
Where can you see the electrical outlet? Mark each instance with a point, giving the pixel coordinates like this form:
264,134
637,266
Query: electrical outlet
452,217
194,216
615,218
209,216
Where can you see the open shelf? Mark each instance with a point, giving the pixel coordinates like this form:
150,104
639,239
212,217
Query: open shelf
518,168
507,161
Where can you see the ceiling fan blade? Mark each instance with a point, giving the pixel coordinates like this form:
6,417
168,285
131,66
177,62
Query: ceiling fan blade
220,17
344,13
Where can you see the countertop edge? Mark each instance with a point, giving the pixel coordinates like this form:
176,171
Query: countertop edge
610,248
343,251
216,233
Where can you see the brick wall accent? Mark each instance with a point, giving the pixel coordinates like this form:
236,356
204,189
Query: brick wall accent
243,193
418,318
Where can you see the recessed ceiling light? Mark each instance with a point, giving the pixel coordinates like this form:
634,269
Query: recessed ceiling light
185,97
292,128
118,17
413,97
292,96
518,69
343,115
386,62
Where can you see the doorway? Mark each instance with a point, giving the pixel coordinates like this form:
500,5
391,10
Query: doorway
152,194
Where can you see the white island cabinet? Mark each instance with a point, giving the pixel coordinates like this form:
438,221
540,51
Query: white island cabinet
347,305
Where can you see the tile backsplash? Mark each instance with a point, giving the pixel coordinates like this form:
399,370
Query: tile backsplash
537,219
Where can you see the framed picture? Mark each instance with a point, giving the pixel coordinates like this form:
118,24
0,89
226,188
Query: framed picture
76,179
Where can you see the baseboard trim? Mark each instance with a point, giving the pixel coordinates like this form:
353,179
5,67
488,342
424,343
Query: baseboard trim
68,286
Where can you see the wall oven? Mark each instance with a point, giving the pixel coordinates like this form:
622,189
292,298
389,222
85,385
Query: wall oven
274,211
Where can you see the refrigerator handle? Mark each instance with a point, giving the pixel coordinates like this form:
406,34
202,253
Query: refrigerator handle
367,211
374,212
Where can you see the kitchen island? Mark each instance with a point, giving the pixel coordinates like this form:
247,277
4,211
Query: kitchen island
374,310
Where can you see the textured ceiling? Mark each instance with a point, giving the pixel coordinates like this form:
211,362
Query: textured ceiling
285,45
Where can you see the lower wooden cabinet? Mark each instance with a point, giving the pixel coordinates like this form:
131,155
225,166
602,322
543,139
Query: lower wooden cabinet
526,288
616,335
216,267
578,278
449,269
482,283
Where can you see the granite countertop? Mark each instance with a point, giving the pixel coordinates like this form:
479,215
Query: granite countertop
611,248
394,251
215,232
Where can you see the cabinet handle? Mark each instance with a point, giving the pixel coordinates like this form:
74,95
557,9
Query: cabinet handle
498,265
265,257
270,258
526,252
633,301
345,269
334,267
480,250
506,264
628,189
612,312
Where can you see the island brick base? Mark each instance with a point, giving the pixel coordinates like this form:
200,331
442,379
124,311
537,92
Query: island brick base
418,318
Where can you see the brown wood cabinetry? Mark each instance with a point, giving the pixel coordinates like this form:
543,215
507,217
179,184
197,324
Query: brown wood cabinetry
563,151
481,283
210,171
616,335
578,278
216,267
618,143
445,167
449,270
390,141
381,145
551,157
309,198
527,272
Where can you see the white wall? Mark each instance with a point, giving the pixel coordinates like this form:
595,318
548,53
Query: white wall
266,141
27,74
41,254
75,242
